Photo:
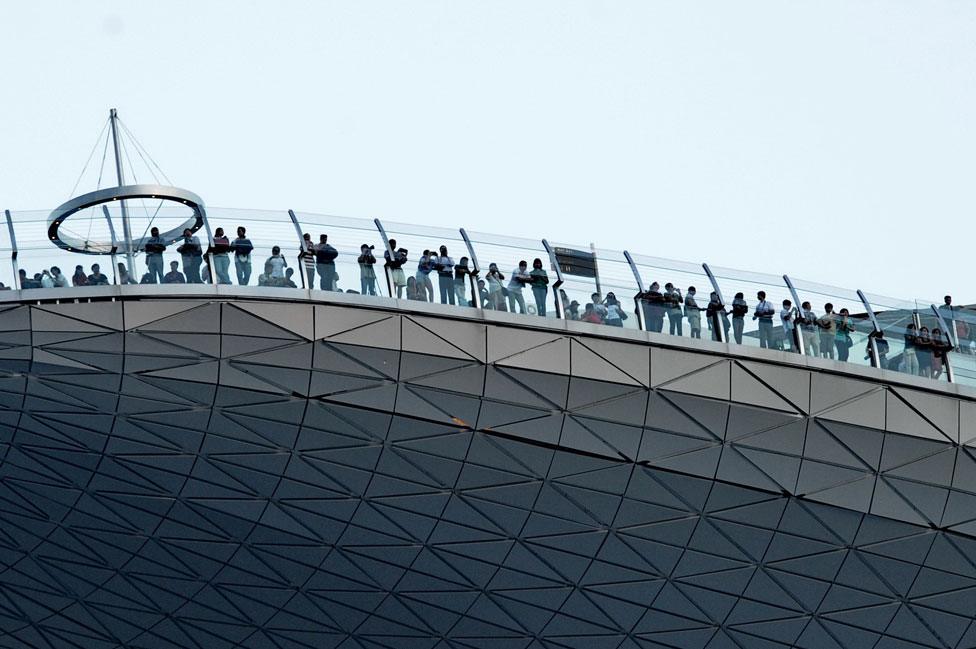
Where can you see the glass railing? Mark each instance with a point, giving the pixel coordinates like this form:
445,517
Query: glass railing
598,286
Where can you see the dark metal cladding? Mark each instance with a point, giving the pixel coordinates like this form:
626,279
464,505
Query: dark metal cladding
203,472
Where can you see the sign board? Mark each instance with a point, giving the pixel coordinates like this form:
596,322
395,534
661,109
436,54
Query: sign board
581,263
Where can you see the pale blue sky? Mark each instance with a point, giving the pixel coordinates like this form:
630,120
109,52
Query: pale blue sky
832,140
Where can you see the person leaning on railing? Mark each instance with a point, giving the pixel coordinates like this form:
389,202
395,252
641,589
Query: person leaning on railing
672,302
739,310
842,337
806,320
307,256
192,255
828,331
941,346
461,273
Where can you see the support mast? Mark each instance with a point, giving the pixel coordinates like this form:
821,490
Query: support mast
126,230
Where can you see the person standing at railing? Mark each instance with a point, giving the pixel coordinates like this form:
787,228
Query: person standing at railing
155,247
444,266
367,274
828,331
278,264
496,287
424,269
242,248
325,256
396,266
941,346
909,357
882,346
461,273
924,351
519,278
615,312
652,302
46,280
842,338
807,321
786,315
717,316
485,296
739,310
693,313
672,301
307,256
192,254
539,281
764,313
221,259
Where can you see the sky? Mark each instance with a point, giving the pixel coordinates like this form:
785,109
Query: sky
830,140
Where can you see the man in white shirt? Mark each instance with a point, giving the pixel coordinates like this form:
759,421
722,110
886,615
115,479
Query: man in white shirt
520,277
764,313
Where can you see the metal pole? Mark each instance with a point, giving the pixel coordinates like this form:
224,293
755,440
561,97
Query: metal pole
560,313
392,253
302,247
475,271
13,250
720,330
798,333
115,244
210,247
950,375
875,360
596,269
640,287
126,229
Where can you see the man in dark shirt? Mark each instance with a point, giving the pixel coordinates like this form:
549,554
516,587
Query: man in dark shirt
325,256
174,276
97,277
154,248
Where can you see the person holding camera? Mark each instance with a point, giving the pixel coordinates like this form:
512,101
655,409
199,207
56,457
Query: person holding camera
367,274
496,287
764,313
842,338
461,272
786,319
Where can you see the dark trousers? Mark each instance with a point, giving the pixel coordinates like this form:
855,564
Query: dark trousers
446,285
326,276
766,333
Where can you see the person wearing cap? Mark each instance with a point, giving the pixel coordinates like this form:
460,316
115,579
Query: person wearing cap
572,311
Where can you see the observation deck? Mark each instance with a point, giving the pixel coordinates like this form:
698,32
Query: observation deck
226,465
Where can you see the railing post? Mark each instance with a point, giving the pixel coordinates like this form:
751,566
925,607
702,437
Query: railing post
115,245
719,321
875,360
560,312
950,375
640,287
13,250
210,245
797,332
475,271
303,249
390,284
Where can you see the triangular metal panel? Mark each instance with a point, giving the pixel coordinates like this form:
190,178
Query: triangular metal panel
469,338
294,317
749,389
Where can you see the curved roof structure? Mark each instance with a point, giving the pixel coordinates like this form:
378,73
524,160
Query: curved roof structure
184,466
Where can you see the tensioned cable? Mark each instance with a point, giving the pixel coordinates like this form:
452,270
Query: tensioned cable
142,157
139,146
85,168
98,185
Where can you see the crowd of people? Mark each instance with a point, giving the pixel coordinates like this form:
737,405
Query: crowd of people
826,335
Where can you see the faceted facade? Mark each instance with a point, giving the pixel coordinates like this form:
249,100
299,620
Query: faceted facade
198,472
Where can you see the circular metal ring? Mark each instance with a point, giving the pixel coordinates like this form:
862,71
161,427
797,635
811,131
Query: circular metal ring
158,192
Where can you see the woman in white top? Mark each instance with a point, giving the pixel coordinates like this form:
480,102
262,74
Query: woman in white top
278,263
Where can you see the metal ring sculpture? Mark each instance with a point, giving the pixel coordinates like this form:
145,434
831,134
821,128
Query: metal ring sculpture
157,192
